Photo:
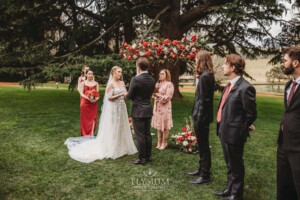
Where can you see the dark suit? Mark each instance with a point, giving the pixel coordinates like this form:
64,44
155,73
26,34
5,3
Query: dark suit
203,116
288,151
140,91
238,113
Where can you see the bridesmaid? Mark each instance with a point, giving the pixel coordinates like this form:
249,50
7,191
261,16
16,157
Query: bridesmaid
82,77
162,113
88,90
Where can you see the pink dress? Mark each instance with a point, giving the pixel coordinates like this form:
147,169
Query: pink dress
162,112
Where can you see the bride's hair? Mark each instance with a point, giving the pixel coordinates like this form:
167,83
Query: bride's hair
113,69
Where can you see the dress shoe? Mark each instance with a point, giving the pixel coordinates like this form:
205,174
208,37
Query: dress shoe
139,161
224,193
201,181
163,146
194,173
232,197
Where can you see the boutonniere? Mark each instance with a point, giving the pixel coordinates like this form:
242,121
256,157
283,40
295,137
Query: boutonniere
232,89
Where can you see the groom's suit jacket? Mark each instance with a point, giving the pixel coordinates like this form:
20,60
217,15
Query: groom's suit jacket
140,91
289,138
238,113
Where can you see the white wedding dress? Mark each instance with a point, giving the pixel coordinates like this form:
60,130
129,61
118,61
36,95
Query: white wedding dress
114,138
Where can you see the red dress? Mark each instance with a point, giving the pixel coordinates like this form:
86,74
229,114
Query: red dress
88,114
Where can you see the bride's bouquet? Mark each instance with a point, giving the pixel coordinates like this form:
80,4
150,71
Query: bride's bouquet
92,94
186,140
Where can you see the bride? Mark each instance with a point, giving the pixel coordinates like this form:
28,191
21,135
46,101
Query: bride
114,137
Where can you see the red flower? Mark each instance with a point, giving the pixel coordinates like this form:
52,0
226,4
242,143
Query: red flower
174,56
192,56
184,129
137,52
148,53
187,135
159,48
166,41
128,57
121,52
194,38
125,44
145,44
175,42
183,39
131,49
154,44
181,47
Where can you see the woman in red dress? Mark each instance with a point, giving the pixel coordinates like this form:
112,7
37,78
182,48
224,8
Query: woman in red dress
89,94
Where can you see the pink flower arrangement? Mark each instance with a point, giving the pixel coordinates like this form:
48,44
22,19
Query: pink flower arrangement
186,140
162,50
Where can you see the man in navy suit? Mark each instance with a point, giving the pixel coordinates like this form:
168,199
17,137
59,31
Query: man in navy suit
288,150
236,113
140,92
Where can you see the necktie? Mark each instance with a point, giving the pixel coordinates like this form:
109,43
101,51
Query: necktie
292,92
219,115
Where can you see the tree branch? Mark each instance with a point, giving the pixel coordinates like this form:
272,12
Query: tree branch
92,42
155,20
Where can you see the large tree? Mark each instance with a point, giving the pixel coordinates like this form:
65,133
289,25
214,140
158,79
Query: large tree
36,32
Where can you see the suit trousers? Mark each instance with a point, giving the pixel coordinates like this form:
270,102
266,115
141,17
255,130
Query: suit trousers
233,155
143,137
288,175
202,134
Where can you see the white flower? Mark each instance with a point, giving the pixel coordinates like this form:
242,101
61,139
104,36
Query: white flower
175,50
135,57
185,143
142,53
194,49
133,46
166,50
193,138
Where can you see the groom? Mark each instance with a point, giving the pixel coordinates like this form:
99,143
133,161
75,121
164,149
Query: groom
140,92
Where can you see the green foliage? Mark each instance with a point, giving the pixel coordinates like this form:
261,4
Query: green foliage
101,66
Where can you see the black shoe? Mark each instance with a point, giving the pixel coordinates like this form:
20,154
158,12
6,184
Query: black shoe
139,161
201,181
232,197
194,173
224,193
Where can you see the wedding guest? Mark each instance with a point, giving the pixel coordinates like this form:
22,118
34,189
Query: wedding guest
288,149
88,90
202,114
82,77
236,113
162,112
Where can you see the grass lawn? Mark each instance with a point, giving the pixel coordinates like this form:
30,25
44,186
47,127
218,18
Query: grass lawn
34,162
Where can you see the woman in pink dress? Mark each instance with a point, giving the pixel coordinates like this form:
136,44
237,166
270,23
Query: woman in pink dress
162,113
89,93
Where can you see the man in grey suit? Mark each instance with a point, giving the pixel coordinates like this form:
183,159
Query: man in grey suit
288,150
236,113
140,91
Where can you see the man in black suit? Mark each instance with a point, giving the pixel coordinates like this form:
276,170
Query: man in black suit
288,150
203,115
236,113
140,91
